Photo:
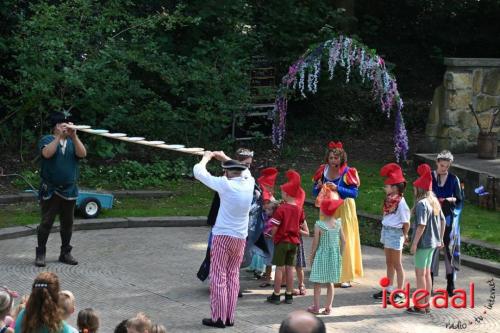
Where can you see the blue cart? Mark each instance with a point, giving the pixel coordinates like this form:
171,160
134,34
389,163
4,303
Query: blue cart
88,203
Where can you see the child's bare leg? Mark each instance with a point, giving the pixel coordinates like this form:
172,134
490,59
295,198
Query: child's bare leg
277,279
398,266
421,279
390,268
428,283
269,270
289,279
329,296
317,294
300,275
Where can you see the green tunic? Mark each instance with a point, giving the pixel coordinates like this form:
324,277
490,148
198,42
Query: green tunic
327,264
59,174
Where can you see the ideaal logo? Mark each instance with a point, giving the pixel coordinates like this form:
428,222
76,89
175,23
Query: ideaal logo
460,294
420,294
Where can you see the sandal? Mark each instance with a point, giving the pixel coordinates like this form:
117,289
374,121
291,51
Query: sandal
265,284
326,311
302,291
314,310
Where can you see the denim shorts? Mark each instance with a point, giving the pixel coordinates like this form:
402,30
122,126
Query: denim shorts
392,238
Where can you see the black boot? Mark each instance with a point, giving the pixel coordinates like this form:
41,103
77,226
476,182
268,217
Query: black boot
66,257
40,257
450,284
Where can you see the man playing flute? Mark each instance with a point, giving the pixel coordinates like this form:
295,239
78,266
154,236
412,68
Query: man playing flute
60,154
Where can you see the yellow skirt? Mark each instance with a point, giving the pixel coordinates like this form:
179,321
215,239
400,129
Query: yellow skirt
352,264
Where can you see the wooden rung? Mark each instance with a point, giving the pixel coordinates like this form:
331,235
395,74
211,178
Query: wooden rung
262,106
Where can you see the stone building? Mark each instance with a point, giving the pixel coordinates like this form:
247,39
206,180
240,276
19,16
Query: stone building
451,124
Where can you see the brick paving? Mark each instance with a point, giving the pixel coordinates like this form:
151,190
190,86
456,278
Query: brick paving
123,271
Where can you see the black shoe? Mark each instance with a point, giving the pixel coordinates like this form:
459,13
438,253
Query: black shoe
275,299
450,285
66,257
210,322
40,257
288,298
240,294
229,324
380,294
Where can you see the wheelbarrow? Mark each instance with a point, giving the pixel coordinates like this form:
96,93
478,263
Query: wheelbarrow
88,203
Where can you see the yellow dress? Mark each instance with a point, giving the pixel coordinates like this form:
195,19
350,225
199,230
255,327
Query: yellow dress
352,264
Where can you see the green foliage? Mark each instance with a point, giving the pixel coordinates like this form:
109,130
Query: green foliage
126,174
130,66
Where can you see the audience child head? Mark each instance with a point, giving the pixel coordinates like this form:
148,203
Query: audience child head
121,327
6,305
302,322
66,303
141,323
87,321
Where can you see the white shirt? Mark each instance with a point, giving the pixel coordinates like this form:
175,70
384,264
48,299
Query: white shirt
236,196
398,217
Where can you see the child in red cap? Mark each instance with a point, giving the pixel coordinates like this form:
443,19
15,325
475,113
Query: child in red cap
287,221
395,226
427,235
326,256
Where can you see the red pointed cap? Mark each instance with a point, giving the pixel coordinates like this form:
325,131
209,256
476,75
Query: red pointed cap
266,182
393,173
330,206
293,187
424,180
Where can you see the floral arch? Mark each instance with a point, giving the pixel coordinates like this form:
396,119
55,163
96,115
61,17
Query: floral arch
352,55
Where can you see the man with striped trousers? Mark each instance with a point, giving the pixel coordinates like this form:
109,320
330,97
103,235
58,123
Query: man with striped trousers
230,231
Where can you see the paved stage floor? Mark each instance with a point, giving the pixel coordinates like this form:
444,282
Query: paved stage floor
124,271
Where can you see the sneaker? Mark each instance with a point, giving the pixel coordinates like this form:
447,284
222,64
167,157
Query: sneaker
275,299
416,311
399,299
210,322
288,298
380,294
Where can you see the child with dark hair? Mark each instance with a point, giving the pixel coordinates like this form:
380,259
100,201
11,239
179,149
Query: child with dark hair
395,226
87,321
121,327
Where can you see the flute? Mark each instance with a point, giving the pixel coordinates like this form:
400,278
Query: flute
138,140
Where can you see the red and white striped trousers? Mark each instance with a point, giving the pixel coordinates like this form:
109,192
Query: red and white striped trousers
226,255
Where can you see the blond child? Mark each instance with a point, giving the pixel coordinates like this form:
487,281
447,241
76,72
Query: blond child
6,304
427,236
67,306
141,323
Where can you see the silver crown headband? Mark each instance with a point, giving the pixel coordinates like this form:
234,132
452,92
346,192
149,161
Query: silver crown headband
245,152
445,155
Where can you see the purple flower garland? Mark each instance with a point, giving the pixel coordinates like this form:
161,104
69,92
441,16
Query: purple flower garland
347,53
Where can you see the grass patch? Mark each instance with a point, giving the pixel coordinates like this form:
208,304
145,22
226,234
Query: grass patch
191,198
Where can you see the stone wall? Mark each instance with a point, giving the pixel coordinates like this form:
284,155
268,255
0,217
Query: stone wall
451,124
